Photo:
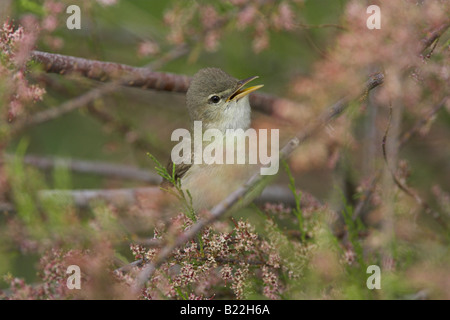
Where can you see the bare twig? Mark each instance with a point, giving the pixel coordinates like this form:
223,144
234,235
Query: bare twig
433,35
409,191
128,196
64,108
405,137
6,207
426,42
321,26
130,266
118,197
109,71
93,167
55,61
136,77
123,128
151,243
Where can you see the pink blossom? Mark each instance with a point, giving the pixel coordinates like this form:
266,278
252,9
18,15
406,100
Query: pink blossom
209,16
148,48
50,23
53,7
212,40
246,16
284,18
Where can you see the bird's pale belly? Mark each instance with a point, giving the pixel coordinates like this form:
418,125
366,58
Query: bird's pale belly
210,184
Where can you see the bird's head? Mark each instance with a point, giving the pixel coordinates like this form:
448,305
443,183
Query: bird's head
219,100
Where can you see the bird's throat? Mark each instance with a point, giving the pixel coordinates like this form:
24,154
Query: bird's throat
236,115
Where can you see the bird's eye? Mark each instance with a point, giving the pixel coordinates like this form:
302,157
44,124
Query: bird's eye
215,99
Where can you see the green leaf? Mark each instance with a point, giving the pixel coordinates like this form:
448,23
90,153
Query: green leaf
33,7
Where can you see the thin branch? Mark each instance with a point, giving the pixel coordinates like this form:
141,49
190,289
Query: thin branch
127,196
139,77
406,136
271,194
321,26
123,128
409,191
433,35
404,139
92,167
64,108
109,71
130,266
119,197
426,42
6,207
150,243
120,78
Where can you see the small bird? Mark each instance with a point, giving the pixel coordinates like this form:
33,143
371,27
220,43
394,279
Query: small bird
220,102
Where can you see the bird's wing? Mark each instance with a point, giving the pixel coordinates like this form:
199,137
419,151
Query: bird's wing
180,171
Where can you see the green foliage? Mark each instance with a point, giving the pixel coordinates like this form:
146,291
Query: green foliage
183,196
297,195
23,188
354,228
42,215
31,6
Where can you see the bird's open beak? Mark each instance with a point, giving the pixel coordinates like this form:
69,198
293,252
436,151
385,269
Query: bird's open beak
239,93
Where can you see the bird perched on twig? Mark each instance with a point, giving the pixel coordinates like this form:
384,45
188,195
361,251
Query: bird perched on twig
220,102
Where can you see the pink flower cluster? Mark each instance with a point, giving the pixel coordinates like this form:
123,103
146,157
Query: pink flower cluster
52,274
260,17
15,45
230,260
